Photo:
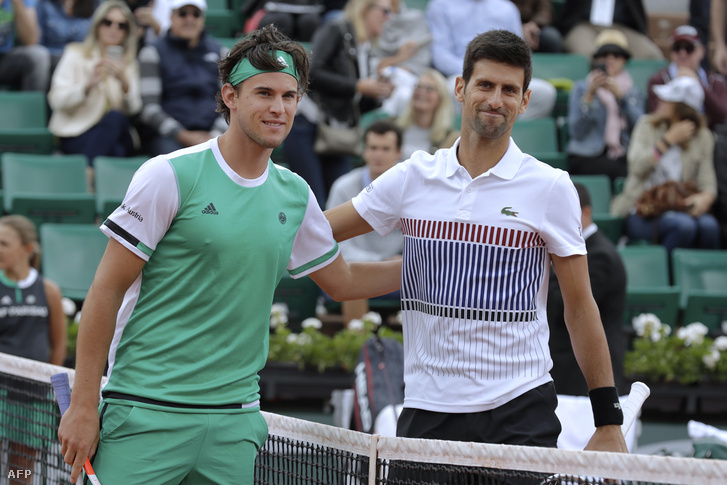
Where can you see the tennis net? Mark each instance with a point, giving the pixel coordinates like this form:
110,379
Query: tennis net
300,452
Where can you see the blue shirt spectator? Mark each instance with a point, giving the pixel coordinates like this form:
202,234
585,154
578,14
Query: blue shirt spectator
60,25
467,18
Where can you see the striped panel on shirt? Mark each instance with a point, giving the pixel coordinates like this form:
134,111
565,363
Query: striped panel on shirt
472,291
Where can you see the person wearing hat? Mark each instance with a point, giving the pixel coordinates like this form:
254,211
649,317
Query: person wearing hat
181,302
687,52
179,79
602,110
672,144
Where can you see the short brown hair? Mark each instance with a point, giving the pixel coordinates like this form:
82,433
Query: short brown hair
499,46
257,46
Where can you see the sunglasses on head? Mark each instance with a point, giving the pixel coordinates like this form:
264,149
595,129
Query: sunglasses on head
121,25
194,12
683,46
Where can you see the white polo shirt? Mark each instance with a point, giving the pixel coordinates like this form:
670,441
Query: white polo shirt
475,272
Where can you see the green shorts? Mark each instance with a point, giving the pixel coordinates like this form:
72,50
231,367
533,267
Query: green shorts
141,445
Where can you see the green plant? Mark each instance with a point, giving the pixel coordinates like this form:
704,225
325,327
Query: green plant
686,357
314,350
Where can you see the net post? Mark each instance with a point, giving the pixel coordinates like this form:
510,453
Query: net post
373,458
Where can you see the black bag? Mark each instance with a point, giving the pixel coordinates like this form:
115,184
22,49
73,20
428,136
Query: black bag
334,137
379,380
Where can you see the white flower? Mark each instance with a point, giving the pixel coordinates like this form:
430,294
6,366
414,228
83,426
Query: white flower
304,339
372,317
356,325
292,338
693,333
69,308
711,359
648,324
278,315
720,343
311,323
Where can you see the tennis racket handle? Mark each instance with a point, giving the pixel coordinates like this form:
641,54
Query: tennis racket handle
62,388
638,394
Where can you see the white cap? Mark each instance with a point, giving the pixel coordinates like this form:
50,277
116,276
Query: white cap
684,89
200,4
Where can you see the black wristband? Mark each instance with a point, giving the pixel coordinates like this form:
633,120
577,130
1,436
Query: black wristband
606,406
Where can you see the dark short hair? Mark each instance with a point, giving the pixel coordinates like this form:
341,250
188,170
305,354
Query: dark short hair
499,46
583,194
257,46
382,127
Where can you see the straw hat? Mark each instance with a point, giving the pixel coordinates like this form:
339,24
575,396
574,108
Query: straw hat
612,42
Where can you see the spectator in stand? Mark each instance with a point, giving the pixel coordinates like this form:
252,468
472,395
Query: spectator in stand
148,27
24,63
341,84
455,23
297,19
95,88
718,28
382,150
687,53
179,80
402,53
602,111
62,22
33,326
672,144
538,29
428,118
580,23
608,283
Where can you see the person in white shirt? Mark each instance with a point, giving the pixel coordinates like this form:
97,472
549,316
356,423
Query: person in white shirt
382,150
482,222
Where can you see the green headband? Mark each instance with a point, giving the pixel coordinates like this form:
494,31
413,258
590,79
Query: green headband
244,69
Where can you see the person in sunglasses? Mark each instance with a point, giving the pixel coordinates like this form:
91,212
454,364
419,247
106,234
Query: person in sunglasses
687,52
179,80
95,87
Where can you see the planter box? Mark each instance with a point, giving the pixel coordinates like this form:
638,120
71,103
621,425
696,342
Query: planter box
284,381
703,398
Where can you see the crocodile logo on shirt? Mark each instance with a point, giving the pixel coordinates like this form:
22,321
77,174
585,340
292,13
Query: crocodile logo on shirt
508,212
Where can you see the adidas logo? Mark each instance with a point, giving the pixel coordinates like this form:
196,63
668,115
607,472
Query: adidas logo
281,60
6,300
210,209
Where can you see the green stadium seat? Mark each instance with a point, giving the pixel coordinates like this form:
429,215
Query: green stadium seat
417,4
599,186
699,269
111,179
24,123
562,70
641,70
648,289
220,23
707,307
539,138
301,297
47,188
611,226
70,254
